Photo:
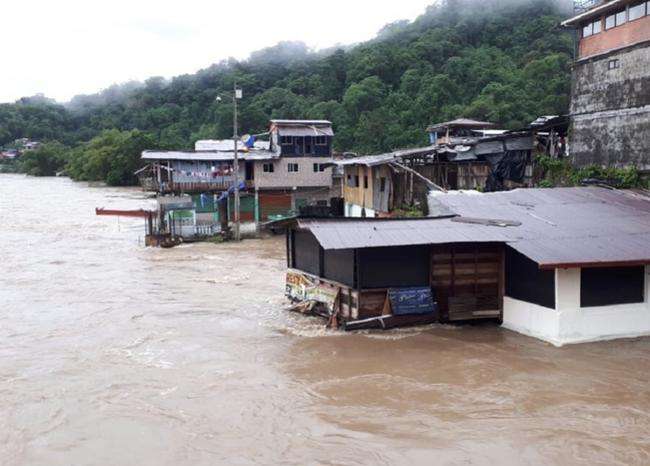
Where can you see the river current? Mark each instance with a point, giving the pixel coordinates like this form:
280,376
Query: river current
116,354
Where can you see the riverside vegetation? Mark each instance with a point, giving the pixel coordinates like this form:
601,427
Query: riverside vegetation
501,60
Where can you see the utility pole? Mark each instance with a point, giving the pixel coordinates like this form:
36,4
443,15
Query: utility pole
236,94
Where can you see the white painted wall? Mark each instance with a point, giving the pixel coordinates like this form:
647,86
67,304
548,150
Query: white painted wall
283,178
354,210
571,323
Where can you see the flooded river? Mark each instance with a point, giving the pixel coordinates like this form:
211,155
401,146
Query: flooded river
116,354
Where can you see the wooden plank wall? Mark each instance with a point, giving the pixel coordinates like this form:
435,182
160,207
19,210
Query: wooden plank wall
468,281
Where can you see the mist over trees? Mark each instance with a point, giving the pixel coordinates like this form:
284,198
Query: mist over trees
506,61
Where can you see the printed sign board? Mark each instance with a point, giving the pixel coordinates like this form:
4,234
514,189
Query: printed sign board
417,300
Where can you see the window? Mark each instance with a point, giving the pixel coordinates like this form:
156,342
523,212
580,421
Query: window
319,167
308,145
613,64
610,22
588,30
597,26
621,18
320,140
611,285
292,167
268,168
382,184
356,181
286,140
365,182
526,282
637,11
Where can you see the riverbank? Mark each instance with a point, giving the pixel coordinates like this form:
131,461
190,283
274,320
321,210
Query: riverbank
114,353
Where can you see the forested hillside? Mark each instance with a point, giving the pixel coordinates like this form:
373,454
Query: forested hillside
501,60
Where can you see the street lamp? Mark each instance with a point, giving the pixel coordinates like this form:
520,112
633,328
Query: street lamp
236,94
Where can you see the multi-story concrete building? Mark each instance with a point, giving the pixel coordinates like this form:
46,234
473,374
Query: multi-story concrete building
277,177
610,97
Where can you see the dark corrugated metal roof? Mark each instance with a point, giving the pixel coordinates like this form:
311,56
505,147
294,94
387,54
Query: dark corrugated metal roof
562,226
368,233
567,225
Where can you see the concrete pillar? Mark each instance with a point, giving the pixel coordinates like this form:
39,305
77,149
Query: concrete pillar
567,300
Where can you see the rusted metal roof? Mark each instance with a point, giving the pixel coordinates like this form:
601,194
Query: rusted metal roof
559,227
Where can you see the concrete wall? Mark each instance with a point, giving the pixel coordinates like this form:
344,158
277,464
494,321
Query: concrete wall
610,109
355,210
571,323
304,177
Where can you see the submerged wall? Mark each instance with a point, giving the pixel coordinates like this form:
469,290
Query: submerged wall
569,322
610,109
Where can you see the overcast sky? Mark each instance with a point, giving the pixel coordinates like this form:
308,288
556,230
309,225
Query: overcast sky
66,47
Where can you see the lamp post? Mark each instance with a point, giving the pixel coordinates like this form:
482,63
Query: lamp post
236,94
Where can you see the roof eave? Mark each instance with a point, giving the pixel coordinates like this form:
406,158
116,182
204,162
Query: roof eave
596,11
594,264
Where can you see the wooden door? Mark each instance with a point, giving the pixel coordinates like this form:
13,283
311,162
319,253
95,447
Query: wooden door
468,281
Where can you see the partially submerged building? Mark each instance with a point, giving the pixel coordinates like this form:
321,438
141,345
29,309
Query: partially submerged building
610,96
277,177
380,185
565,265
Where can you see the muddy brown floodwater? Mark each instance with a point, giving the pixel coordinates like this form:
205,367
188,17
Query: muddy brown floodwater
115,354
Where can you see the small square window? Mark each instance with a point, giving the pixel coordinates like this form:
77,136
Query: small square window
268,168
292,167
613,64
610,22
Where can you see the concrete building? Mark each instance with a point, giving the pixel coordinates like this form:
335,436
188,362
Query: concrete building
610,97
277,177
565,265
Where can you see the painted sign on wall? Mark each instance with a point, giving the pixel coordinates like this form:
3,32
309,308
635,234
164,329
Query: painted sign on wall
415,300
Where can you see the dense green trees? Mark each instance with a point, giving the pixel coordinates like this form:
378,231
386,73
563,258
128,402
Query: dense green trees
112,157
502,60
49,159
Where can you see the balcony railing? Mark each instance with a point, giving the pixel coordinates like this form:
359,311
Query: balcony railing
167,187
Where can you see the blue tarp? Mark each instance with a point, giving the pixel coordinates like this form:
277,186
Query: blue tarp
231,190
